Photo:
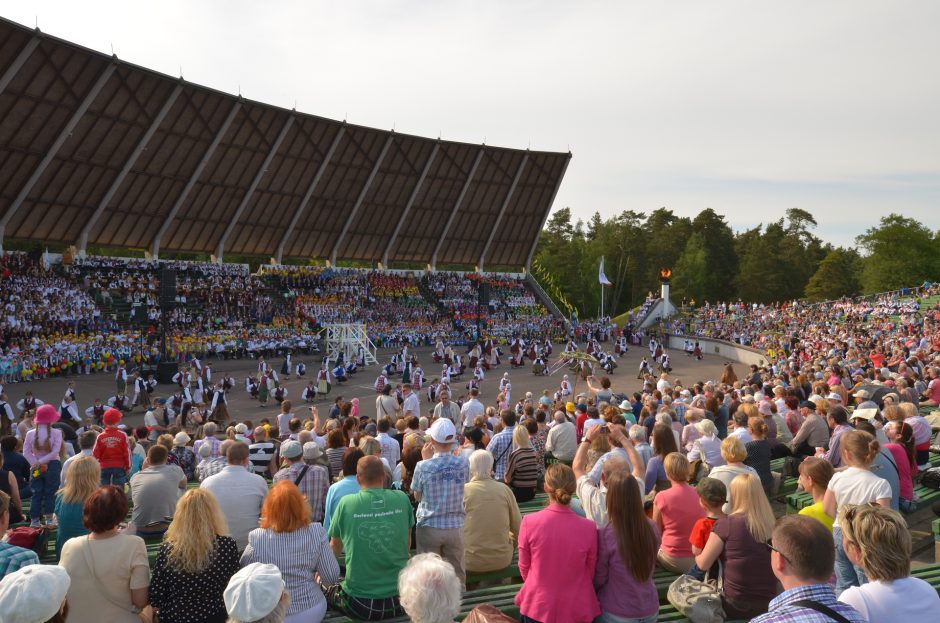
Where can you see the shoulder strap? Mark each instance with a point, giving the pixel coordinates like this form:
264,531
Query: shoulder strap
86,554
301,475
818,607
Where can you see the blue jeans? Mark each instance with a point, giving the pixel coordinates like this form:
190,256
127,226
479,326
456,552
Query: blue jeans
847,574
44,487
113,476
607,617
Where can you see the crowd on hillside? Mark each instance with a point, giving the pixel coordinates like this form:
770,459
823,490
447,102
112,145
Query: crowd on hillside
589,494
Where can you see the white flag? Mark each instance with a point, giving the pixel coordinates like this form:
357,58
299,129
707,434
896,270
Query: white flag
601,277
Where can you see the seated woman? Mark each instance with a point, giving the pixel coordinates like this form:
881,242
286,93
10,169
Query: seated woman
557,557
878,540
734,454
287,540
675,511
815,474
84,479
522,466
707,447
626,556
109,569
759,451
491,525
197,552
740,540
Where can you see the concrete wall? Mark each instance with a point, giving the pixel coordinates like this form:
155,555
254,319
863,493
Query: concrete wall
720,348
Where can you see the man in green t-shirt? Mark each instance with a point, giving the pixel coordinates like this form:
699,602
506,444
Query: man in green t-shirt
373,527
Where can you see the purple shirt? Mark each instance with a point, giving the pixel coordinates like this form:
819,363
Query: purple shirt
618,591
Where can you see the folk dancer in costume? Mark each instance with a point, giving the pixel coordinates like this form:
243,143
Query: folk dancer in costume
120,379
644,369
406,372
262,365
301,369
697,352
380,383
219,406
664,363
69,410
445,375
565,387
69,392
323,380
140,391
417,376
538,366
505,386
438,354
652,346
96,411
279,394
309,394
516,346
571,346
621,346
476,380
196,388
181,378
432,391
473,356
120,401
206,375
516,359
252,387
264,389
228,383
286,366
547,347
274,378
453,372
688,348
339,373
7,417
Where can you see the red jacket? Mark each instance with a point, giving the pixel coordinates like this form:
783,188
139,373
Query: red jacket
112,449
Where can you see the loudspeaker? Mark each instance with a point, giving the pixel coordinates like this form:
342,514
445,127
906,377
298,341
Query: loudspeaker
167,288
166,370
483,289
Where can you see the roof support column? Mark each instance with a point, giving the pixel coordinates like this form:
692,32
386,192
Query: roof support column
254,185
453,212
56,146
279,254
361,198
548,208
502,210
19,61
411,200
82,242
155,245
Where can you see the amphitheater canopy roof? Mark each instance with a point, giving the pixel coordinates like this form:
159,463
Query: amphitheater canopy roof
97,151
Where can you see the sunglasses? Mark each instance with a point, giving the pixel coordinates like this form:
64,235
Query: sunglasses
774,549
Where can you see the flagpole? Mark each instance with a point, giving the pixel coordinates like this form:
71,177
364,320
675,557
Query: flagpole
602,291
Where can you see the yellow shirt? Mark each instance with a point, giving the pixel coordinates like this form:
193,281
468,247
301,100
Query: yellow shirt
816,512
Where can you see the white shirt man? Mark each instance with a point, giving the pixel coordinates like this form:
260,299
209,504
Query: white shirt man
411,406
240,493
472,408
562,440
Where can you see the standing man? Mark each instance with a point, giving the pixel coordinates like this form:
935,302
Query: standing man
501,444
445,408
438,485
471,409
410,406
373,528
391,450
240,493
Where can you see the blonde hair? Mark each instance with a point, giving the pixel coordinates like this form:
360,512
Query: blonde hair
748,498
370,445
882,538
862,447
677,467
84,477
706,427
733,450
908,409
197,522
749,409
520,437
560,483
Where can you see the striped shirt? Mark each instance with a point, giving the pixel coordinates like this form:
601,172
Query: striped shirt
260,455
299,555
313,486
522,468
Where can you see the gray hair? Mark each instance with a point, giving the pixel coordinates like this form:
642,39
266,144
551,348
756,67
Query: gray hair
481,464
429,589
638,433
707,428
559,417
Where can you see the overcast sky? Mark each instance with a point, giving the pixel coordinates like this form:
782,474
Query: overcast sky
748,107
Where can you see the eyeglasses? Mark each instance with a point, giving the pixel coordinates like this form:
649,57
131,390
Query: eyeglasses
774,549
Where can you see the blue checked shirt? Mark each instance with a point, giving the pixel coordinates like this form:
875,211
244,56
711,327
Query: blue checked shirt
500,446
781,609
13,558
440,481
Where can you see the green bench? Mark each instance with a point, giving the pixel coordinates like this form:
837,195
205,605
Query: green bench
502,597
929,574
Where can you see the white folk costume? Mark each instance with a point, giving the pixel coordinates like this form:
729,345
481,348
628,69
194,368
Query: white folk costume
417,378
96,412
286,367
505,386
323,380
380,383
69,410
279,394
219,406
310,392
120,402
565,387
301,369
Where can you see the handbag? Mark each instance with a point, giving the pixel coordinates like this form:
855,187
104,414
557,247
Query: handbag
698,601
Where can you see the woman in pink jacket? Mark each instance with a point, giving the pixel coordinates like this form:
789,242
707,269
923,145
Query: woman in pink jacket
557,556
42,447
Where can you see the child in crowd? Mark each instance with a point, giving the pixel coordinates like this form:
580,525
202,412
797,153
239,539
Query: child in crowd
815,474
712,495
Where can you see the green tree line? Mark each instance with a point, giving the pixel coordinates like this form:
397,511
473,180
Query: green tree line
778,261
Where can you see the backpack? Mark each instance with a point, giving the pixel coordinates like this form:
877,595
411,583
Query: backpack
931,479
35,539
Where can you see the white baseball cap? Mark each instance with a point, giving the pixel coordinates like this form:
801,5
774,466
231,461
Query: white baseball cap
33,594
253,592
443,431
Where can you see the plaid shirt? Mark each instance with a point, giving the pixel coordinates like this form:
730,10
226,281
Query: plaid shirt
500,446
210,467
440,481
13,558
781,609
313,486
